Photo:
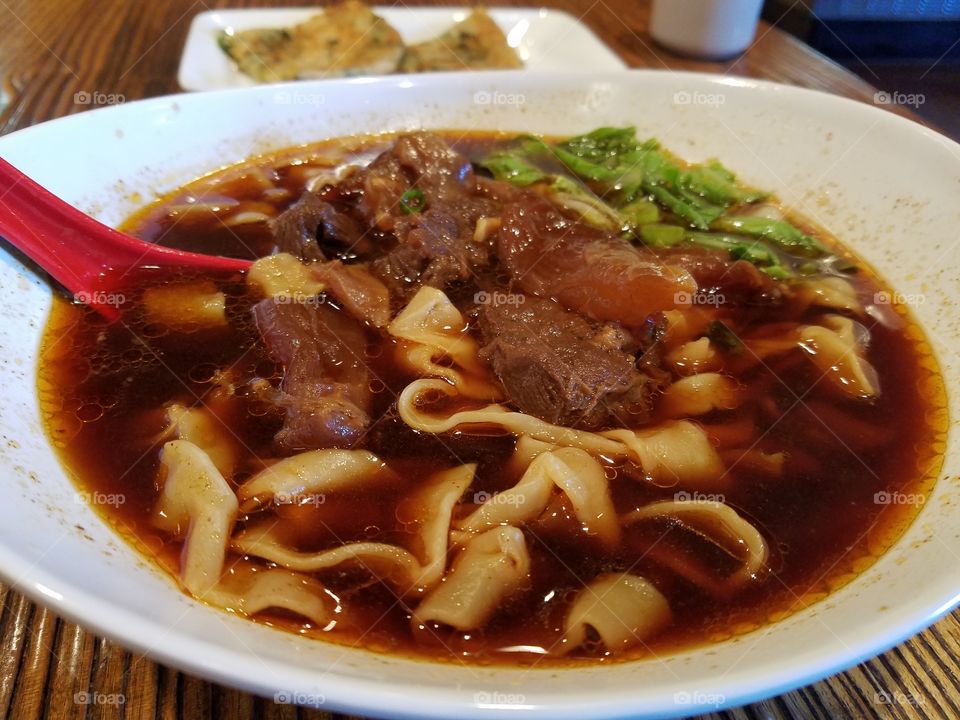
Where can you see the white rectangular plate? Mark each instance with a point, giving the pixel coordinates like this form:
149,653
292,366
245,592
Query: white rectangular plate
544,39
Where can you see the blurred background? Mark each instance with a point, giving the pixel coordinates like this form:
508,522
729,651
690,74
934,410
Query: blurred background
903,47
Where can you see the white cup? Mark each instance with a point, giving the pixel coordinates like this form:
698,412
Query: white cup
709,29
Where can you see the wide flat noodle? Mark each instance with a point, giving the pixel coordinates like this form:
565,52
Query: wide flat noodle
578,476
829,292
431,329
390,562
407,572
202,428
623,610
834,349
312,473
197,503
721,524
674,453
435,503
490,568
419,392
250,591
699,394
284,276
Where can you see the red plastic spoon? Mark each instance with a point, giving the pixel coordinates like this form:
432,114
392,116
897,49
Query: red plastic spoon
87,257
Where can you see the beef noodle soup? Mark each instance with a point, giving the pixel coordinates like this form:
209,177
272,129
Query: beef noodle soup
498,399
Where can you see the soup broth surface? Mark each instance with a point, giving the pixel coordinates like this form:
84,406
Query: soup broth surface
829,482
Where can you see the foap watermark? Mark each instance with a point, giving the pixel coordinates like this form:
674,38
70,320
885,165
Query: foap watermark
98,297
290,697
86,97
99,698
498,298
297,299
697,697
696,97
483,497
489,699
493,97
100,498
897,298
698,497
885,497
898,697
297,97
284,498
698,298
882,97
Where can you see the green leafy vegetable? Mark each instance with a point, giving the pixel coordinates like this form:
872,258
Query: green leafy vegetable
697,214
603,145
624,184
741,248
718,185
517,170
513,168
640,212
571,194
659,235
779,232
626,168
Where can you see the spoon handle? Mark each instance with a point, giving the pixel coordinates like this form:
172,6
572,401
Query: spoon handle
85,256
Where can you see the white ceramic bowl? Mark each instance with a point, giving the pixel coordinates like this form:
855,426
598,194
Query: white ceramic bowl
886,186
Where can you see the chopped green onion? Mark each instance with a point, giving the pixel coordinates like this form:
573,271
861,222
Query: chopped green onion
724,338
413,201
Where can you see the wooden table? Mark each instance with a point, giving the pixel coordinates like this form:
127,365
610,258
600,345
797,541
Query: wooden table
52,49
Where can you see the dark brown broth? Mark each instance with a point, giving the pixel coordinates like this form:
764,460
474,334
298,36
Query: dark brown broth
101,387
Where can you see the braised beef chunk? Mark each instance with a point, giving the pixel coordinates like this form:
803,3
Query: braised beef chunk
356,290
399,270
434,246
433,164
420,160
564,369
310,226
325,391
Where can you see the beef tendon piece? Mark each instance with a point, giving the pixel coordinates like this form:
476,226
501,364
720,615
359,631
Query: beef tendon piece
325,393
735,281
587,270
564,369
476,43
